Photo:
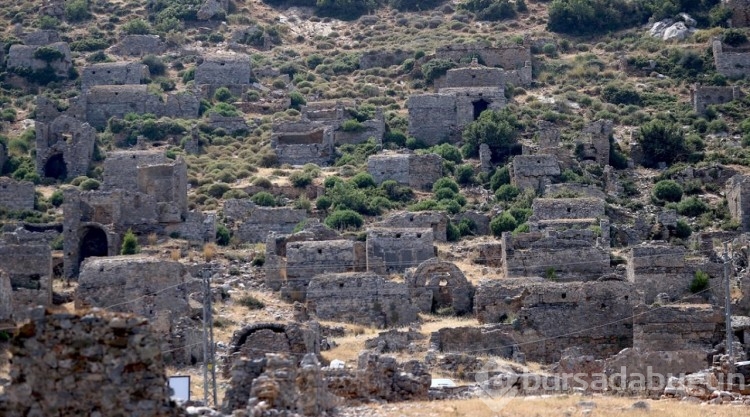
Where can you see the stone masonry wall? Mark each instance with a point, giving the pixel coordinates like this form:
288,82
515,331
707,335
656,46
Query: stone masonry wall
657,269
435,220
534,171
64,136
22,57
16,195
121,168
87,364
567,208
416,171
113,73
299,143
704,96
738,197
6,298
29,267
363,298
678,327
730,62
394,250
253,224
432,117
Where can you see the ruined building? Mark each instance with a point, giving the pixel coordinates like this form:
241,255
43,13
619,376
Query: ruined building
594,144
334,114
738,198
113,73
391,250
64,144
513,58
729,61
703,96
29,58
232,71
142,191
299,143
534,171
740,12
28,267
138,46
460,98
416,171
252,223
16,195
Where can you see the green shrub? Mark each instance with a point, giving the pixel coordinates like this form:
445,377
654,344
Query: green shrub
301,179
668,190
90,184
344,219
734,37
223,236
225,109
56,199
352,125
500,177
445,182
77,10
617,94
223,94
48,23
251,303
491,10
155,65
217,190
323,203
297,100
436,68
396,192
699,282
452,232
507,192
585,17
448,152
683,230
503,223
661,142
363,180
129,244
498,129
47,54
465,174
264,198
136,27
692,207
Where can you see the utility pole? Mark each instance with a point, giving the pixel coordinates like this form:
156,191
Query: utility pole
727,309
206,296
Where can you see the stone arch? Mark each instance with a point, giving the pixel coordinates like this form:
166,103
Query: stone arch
446,284
480,106
92,242
55,167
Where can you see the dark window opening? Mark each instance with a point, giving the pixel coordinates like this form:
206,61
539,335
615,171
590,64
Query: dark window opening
479,107
56,168
93,243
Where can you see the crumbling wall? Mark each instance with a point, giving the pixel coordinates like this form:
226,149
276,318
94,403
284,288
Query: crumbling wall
435,220
254,341
29,269
299,143
6,298
64,140
697,327
120,169
253,224
103,102
86,364
738,199
416,171
309,258
394,250
509,57
149,287
703,96
595,143
433,117
657,269
383,59
440,285
534,171
570,255
139,45
16,195
113,73
551,209
545,318
474,76
730,62
362,298
22,57
485,340
223,70
740,12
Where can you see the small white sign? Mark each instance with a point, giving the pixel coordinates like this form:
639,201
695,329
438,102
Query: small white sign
180,387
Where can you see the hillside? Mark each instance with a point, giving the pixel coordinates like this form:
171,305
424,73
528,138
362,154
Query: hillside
516,179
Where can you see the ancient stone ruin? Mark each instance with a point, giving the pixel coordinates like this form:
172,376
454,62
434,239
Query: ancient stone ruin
435,220
336,113
253,223
28,268
391,250
138,46
16,195
109,364
30,58
738,197
232,71
416,171
730,61
299,143
595,144
514,59
459,100
113,73
740,12
534,171
64,144
439,285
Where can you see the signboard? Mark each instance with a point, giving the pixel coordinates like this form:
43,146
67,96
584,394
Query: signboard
180,387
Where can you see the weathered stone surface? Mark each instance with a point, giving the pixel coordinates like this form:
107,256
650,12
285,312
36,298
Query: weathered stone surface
22,57
545,318
573,190
97,363
6,297
394,250
461,97
252,223
570,255
212,8
394,340
103,102
309,258
139,45
363,298
435,220
696,327
633,367
28,266
437,285
509,57
416,171
546,209
113,73
738,197
595,144
730,62
64,144
16,195
150,287
299,143
656,269
232,71
703,96
740,12
42,37
383,59
486,340
534,171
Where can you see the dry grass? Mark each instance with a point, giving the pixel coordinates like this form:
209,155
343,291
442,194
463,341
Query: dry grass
209,251
566,405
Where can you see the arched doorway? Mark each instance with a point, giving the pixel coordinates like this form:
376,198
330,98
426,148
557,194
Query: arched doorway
93,243
479,107
55,167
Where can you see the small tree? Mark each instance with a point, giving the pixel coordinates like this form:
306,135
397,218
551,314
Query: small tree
129,244
668,190
661,142
498,129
